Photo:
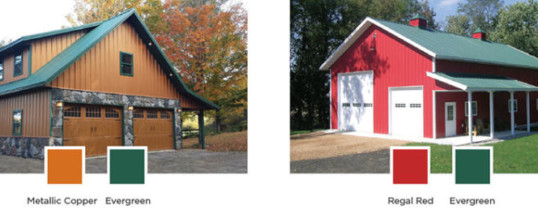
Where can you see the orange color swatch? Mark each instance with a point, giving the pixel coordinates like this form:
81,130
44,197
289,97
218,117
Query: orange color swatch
64,166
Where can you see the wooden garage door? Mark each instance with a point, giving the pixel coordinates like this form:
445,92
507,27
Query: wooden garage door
93,126
153,128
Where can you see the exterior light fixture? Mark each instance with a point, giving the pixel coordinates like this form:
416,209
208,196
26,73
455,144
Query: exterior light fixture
179,110
170,74
150,44
131,108
59,104
372,47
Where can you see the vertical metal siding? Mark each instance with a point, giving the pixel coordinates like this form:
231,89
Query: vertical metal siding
395,63
98,70
8,67
36,113
45,49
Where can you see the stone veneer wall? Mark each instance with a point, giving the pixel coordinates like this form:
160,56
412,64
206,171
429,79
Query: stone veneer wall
23,146
83,97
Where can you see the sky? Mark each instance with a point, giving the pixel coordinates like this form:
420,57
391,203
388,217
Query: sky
27,17
444,8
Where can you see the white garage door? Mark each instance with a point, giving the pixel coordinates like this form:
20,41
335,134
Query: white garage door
356,101
407,112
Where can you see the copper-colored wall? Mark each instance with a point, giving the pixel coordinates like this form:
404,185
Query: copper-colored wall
99,69
8,67
45,49
35,113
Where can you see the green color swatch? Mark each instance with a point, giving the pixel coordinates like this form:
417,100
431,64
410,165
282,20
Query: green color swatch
127,166
472,166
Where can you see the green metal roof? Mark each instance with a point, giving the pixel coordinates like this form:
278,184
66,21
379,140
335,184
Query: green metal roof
481,82
447,46
67,57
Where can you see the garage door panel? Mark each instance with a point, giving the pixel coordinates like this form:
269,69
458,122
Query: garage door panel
407,112
88,125
153,128
356,101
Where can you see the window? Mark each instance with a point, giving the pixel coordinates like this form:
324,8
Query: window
515,105
126,64
72,112
368,105
165,115
450,113
356,104
152,114
399,105
111,113
346,104
138,113
93,112
17,122
537,104
1,69
415,105
17,67
474,108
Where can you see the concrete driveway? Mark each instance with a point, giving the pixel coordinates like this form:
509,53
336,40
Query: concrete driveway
323,152
180,161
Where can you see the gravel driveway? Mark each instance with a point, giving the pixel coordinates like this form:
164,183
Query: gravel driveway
322,152
180,161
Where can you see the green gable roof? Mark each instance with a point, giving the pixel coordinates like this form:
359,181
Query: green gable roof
443,46
481,82
67,57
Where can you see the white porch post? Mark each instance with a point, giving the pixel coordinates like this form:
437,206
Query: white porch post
512,113
470,115
491,122
528,113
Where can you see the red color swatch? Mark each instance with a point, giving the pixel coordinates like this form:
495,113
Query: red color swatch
410,166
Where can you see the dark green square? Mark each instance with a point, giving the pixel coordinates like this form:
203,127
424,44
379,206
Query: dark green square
472,166
127,166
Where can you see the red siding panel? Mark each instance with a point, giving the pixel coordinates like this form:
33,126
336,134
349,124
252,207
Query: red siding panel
395,64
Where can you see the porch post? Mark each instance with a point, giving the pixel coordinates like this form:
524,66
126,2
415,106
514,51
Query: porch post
528,113
512,113
491,122
201,135
470,115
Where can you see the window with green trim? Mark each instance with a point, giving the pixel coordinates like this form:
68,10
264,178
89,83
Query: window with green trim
475,108
126,64
17,67
17,122
1,69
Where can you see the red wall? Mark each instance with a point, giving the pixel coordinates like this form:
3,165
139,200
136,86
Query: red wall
500,98
395,63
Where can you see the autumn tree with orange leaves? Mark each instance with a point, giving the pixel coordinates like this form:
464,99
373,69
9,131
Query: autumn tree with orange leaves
208,46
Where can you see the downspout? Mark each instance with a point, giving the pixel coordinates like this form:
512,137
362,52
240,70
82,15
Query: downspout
434,106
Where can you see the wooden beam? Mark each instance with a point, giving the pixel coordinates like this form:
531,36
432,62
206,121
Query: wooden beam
201,134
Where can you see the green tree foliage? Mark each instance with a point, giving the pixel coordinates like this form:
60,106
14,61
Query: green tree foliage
318,27
459,24
517,25
473,14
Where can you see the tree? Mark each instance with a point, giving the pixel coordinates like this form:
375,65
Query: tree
208,47
517,25
90,11
459,24
481,12
473,14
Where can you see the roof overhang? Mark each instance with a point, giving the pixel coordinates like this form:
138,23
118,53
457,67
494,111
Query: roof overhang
366,23
481,82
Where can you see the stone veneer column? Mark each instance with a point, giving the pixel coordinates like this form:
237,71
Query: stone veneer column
128,133
179,141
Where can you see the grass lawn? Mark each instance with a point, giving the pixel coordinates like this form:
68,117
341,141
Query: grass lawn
228,141
295,132
511,156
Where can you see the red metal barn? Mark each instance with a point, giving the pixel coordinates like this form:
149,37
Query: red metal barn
411,81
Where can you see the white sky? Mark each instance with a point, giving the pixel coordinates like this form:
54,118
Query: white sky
26,17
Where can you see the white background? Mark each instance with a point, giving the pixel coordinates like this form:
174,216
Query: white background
268,190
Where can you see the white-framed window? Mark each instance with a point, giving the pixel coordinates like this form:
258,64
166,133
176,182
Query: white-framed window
515,105
475,108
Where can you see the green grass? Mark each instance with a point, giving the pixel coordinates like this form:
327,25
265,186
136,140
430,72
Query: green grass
512,156
295,132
